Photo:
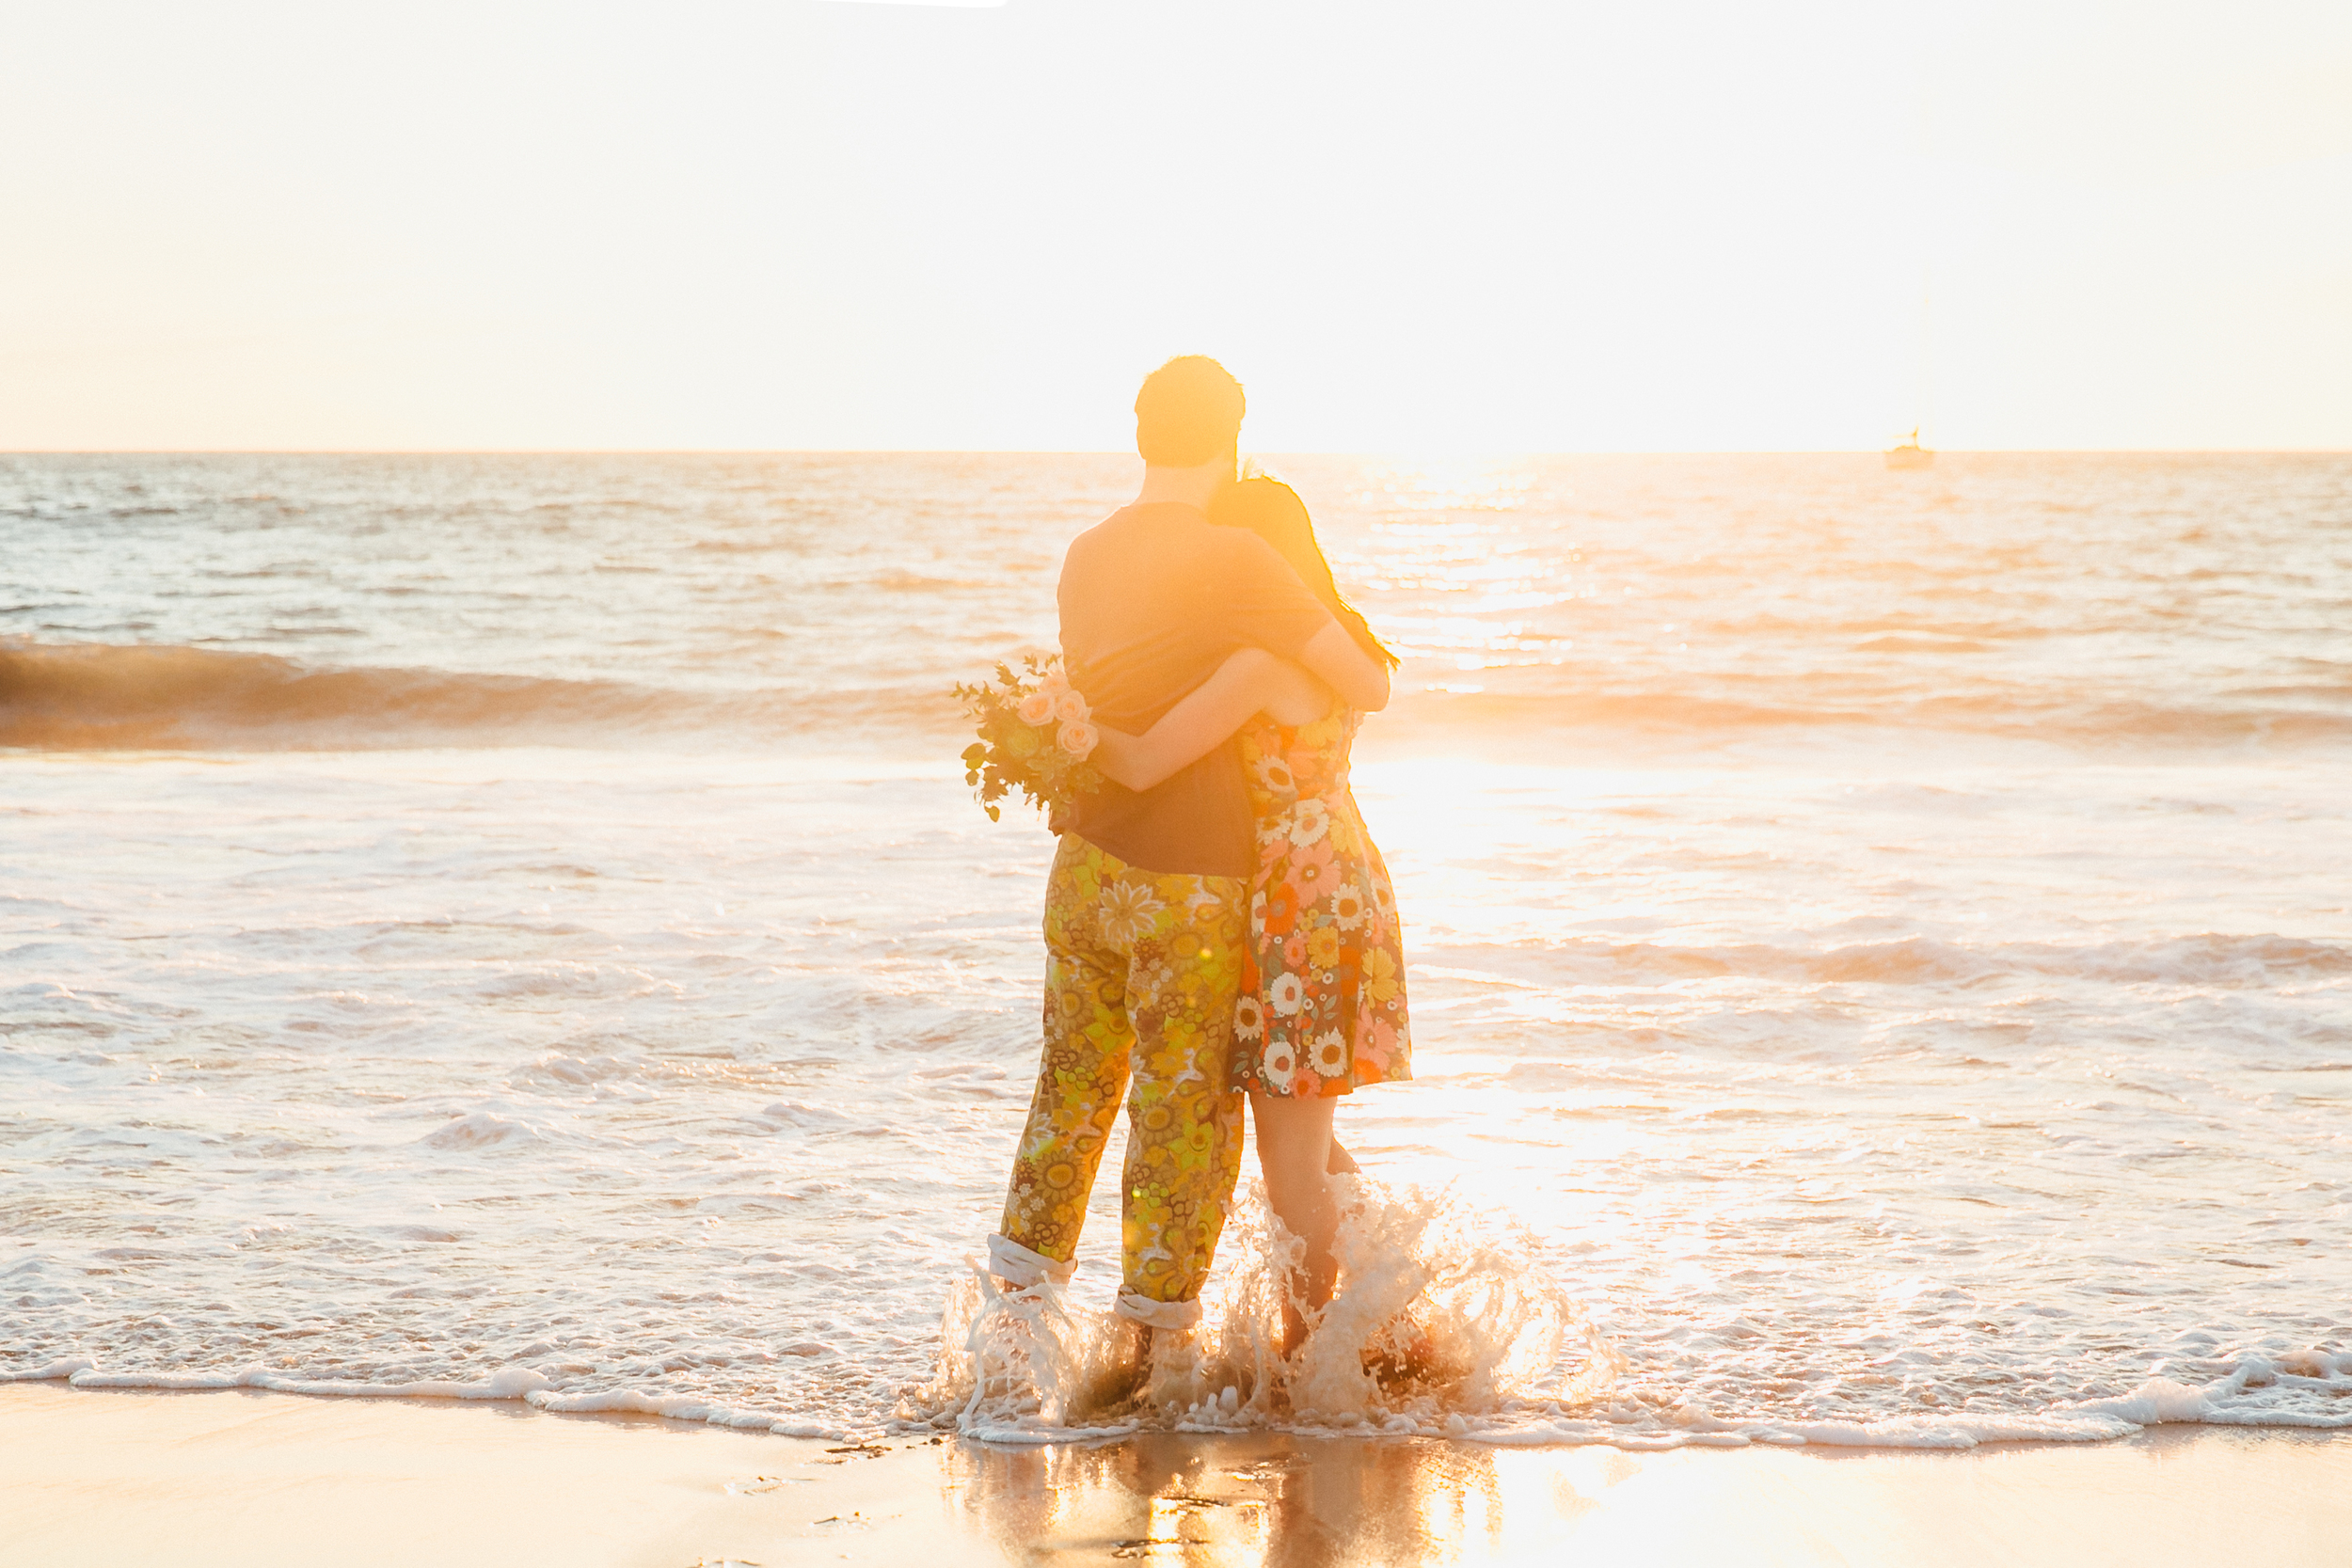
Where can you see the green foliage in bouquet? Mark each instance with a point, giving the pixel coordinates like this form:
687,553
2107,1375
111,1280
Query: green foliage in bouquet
1036,734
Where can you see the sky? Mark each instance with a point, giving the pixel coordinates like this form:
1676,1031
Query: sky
1419,229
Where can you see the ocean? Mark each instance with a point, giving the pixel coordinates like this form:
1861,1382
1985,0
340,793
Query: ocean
515,928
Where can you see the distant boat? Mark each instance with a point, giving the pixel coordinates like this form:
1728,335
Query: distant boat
1909,453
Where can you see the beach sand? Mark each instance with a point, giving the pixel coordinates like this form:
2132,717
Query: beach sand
100,1477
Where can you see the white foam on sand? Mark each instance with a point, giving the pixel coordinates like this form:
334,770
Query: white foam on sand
510,1383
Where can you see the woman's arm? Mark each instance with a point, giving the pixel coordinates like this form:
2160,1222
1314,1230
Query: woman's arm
1250,679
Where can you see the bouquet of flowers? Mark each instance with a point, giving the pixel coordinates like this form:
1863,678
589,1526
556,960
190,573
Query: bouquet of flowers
1036,734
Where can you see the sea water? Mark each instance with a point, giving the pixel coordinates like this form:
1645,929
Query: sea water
1880,944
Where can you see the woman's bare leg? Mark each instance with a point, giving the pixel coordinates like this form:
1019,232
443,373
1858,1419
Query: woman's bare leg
1341,1162
1294,1152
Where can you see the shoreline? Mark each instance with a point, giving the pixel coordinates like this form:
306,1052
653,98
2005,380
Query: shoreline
255,1479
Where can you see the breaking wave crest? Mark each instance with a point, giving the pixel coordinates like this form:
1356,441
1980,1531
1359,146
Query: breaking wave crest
94,696
2215,959
157,697
2304,717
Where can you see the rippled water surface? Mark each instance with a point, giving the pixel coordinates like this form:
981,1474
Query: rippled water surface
1880,944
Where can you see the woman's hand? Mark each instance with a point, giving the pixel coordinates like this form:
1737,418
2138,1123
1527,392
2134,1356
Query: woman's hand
1120,758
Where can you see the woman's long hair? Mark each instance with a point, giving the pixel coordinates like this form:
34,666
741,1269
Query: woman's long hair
1272,511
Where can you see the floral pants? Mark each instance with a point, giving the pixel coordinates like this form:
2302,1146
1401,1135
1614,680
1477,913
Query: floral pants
1142,970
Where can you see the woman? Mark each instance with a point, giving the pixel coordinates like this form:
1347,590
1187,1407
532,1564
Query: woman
1321,1004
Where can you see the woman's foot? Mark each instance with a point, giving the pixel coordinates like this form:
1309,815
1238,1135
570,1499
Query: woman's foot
1402,1354
1294,1156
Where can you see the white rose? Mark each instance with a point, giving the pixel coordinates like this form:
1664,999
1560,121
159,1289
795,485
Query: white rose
1036,708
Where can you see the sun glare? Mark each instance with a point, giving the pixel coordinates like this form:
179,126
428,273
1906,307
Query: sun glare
948,226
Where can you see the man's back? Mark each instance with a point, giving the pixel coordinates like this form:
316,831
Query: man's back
1152,599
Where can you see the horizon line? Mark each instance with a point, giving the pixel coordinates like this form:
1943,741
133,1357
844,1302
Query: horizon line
1097,452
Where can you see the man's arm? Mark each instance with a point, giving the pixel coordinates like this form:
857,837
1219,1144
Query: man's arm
1250,679
1335,655
1261,603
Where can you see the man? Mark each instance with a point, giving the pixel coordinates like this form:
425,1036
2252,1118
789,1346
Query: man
1147,910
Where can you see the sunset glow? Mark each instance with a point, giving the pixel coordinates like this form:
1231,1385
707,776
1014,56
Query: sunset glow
1519,227
1244,782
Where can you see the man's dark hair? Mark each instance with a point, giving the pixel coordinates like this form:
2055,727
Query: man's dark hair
1189,413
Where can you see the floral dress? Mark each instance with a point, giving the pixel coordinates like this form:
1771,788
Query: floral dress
1321,1004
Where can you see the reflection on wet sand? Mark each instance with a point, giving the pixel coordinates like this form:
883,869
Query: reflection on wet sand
253,1480
1269,1501
1256,1498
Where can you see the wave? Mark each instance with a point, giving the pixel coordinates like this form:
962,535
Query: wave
505,1383
2296,1391
94,696
1449,1322
1528,719
2208,960
161,697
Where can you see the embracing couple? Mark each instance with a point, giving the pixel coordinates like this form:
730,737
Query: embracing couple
1217,923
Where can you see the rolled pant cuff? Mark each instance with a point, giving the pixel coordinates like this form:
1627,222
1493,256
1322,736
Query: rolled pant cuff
1159,1314
1020,1268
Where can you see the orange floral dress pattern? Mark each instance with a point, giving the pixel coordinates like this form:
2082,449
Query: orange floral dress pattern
1322,1003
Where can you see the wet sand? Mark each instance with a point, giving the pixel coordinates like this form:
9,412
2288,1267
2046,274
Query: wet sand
98,1478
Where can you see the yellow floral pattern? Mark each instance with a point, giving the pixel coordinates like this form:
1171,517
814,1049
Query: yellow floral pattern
1322,1006
1142,970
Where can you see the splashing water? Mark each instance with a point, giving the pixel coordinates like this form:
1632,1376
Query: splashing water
1442,1323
